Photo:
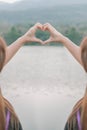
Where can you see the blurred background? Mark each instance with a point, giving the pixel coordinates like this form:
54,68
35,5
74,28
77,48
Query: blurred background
69,17
43,82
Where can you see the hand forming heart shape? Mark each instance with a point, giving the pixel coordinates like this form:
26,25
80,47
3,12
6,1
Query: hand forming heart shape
55,36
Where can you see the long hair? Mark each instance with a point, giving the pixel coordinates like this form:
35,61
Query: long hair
78,117
84,53
2,60
2,52
13,122
5,106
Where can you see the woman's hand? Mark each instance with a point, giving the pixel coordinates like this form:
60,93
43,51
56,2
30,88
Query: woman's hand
55,36
29,36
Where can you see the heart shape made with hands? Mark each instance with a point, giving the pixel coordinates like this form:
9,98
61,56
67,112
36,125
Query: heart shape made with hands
42,35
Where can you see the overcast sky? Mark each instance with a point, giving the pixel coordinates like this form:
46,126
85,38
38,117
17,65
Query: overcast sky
51,1
62,1
9,1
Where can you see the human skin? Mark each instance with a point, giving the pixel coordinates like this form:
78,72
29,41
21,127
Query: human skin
57,37
28,37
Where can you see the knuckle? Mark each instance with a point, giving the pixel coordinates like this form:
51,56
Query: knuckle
47,24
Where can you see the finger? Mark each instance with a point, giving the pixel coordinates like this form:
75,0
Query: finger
38,40
47,24
38,26
35,27
45,27
47,41
48,27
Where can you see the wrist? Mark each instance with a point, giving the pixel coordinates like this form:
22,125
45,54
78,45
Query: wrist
64,40
22,40
61,38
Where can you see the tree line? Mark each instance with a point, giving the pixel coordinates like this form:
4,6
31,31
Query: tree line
72,32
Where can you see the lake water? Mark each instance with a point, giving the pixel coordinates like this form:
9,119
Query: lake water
43,84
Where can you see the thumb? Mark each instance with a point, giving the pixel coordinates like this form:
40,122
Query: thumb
47,41
38,40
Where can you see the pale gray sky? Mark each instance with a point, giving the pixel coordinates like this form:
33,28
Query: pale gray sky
51,1
9,1
63,1
59,1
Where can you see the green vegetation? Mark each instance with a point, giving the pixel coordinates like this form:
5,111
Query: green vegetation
72,32
69,20
12,35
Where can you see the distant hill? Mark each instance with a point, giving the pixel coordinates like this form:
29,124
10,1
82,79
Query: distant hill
25,11
27,4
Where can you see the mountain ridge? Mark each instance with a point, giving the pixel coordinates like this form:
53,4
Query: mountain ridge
21,12
32,4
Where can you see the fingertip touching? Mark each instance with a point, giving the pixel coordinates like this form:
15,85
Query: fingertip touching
39,26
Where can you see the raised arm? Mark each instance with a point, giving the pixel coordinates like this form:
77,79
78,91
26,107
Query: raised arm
56,36
29,36
73,49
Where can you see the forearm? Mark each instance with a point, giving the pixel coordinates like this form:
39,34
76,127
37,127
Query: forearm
12,49
73,49
58,37
28,37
